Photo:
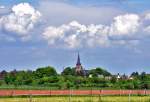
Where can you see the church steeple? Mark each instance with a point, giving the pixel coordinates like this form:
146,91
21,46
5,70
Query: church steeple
78,60
78,68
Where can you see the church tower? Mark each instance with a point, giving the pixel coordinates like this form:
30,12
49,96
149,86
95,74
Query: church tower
78,68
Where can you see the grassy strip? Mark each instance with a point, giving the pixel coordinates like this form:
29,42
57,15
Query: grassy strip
78,99
25,87
40,96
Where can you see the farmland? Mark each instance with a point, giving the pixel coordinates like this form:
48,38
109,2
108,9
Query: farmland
79,99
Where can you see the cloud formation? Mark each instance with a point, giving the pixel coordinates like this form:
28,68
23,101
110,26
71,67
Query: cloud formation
125,24
77,27
75,34
21,20
147,23
2,7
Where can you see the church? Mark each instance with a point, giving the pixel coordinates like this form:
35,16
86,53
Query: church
79,70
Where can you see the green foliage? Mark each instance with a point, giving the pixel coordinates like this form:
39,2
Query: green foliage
68,71
75,98
48,77
2,82
45,72
23,78
113,80
9,78
99,71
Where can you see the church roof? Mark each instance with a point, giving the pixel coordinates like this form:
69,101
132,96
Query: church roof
78,60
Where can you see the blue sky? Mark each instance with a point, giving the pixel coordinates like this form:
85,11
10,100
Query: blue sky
113,34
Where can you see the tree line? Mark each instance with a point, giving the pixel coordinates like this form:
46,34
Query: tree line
97,78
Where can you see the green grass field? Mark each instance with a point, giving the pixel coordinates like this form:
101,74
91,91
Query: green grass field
26,87
79,99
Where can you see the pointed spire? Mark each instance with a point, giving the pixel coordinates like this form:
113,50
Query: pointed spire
78,60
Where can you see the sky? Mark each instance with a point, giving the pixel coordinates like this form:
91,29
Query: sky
112,34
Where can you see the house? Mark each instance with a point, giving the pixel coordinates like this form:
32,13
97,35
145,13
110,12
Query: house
2,74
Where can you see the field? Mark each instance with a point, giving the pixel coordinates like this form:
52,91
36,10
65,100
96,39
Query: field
79,99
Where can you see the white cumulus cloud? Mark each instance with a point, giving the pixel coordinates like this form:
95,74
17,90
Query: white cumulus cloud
21,20
75,34
2,7
125,24
68,33
147,16
147,23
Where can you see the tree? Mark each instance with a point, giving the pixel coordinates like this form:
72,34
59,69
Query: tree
99,71
68,71
23,78
45,72
143,75
9,78
135,74
69,84
113,79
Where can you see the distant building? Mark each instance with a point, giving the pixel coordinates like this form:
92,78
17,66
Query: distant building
79,70
14,72
90,76
131,78
108,77
118,76
2,74
123,77
100,76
